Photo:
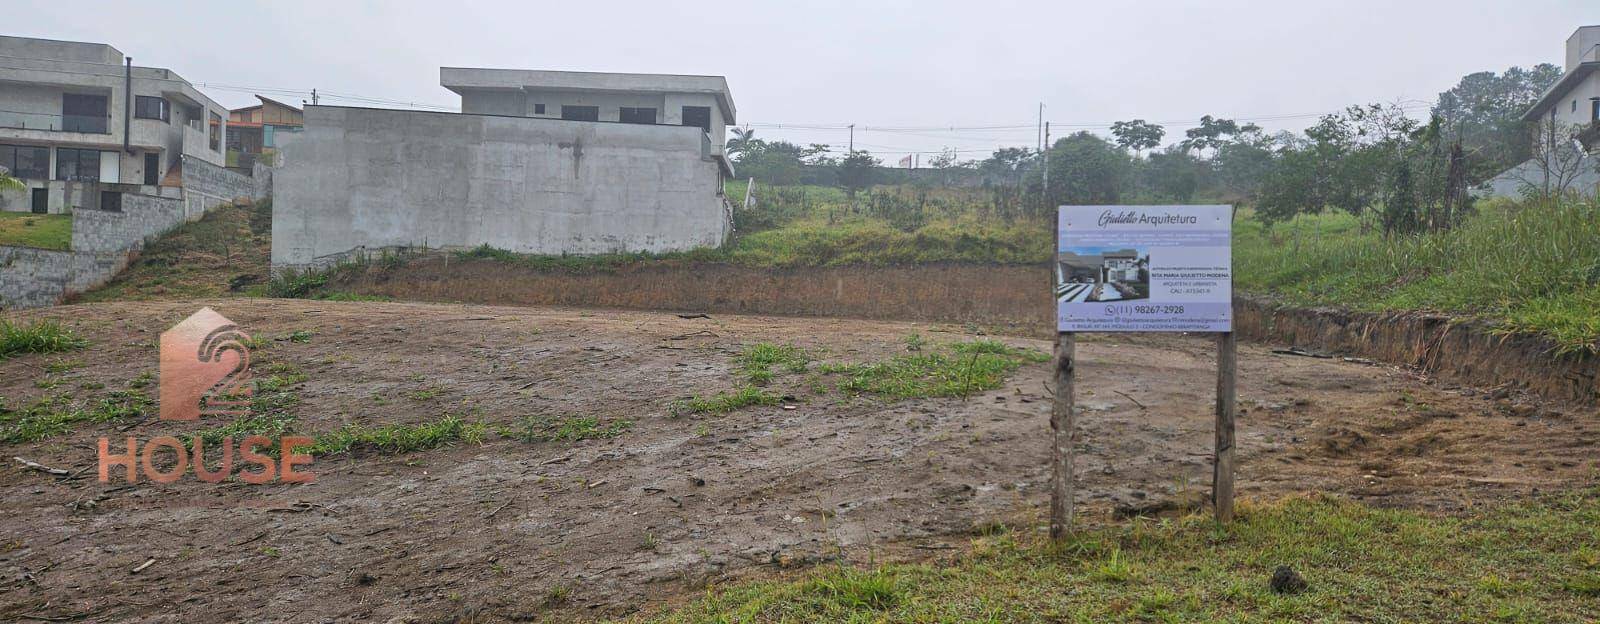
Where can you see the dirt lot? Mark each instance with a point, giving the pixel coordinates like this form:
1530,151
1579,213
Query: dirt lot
513,530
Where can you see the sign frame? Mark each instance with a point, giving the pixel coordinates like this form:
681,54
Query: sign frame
1062,415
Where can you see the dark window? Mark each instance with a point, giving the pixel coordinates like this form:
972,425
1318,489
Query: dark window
538,109
637,115
146,107
697,116
79,165
216,132
83,113
152,168
1594,115
111,200
581,113
26,162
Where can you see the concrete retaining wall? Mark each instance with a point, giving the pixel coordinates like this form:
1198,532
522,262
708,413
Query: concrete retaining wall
360,179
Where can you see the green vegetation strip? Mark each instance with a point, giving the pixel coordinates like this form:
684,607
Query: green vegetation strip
38,337
951,370
1530,267
35,230
1534,562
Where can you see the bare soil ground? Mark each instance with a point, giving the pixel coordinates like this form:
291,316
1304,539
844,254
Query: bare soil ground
516,531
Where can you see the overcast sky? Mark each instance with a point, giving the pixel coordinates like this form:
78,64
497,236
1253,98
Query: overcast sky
902,65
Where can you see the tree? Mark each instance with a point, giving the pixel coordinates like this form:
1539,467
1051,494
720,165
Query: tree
1173,175
741,139
1400,214
1558,160
1213,133
8,183
1484,112
857,171
1137,135
1086,169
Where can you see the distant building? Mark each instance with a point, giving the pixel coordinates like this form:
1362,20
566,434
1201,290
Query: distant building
80,125
255,130
1573,102
537,162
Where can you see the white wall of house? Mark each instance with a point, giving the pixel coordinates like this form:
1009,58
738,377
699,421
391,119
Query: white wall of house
1576,106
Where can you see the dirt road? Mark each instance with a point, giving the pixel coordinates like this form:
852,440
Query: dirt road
513,530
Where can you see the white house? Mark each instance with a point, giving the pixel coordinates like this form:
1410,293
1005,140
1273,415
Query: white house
76,118
1573,102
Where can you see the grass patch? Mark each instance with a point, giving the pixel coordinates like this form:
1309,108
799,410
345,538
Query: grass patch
1530,267
23,229
46,336
757,360
399,438
1515,563
563,429
58,414
724,402
952,370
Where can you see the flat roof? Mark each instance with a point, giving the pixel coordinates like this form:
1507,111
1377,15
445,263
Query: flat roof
462,79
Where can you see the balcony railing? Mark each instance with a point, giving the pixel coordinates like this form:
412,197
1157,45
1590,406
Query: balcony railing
91,124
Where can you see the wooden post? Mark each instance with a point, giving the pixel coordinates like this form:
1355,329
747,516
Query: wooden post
1061,426
1222,463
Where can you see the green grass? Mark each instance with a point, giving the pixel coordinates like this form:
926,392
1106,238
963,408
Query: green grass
59,414
398,438
563,429
1529,267
949,370
953,370
46,336
35,230
1528,562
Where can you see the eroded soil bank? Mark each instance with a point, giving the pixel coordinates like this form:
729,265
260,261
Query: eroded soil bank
1009,298
509,530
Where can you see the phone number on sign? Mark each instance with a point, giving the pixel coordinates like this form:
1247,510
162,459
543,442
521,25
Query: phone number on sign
1114,310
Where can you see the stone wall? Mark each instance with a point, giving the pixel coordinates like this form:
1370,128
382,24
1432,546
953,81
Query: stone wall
102,244
34,278
208,186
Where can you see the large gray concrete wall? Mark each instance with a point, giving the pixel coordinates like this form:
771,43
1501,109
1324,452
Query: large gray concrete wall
367,179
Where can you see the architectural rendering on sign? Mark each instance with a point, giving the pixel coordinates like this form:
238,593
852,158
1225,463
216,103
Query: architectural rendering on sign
538,162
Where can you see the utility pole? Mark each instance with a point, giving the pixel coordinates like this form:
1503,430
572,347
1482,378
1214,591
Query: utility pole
1038,135
314,97
852,138
1047,165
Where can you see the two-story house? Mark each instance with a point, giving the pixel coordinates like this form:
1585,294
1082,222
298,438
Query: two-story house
80,124
1569,107
254,130
663,99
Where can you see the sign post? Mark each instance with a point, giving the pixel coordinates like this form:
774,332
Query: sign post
1142,269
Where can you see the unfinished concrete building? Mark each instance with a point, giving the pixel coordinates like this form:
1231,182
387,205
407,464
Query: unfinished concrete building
537,162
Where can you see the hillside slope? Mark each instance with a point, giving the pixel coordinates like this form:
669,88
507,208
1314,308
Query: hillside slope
227,252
